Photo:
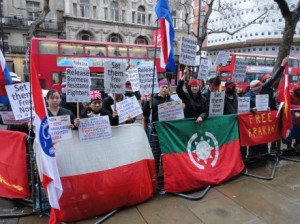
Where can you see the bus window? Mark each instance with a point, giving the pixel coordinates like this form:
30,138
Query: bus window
293,78
55,78
71,49
48,47
95,50
270,61
138,52
251,60
151,52
224,74
117,51
240,58
229,60
293,63
260,61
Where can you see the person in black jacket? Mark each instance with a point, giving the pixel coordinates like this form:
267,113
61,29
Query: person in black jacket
162,97
231,99
268,81
195,103
96,109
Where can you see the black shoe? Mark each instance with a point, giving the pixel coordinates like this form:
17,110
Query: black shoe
288,152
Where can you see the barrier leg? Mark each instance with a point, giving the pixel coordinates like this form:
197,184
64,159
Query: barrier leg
107,216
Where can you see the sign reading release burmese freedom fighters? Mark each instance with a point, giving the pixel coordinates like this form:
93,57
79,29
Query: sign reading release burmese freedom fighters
239,72
78,85
147,74
188,51
19,98
114,77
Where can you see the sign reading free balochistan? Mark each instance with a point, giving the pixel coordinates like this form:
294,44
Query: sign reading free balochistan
19,98
78,84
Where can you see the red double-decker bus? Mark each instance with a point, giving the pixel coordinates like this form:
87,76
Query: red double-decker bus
53,56
258,65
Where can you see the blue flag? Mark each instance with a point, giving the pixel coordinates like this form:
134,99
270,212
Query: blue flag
5,79
167,58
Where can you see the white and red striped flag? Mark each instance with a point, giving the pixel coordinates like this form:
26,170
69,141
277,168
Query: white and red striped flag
45,154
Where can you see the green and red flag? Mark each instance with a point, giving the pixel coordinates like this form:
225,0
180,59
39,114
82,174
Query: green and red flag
198,155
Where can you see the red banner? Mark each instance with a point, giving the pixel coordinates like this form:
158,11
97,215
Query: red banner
258,128
13,166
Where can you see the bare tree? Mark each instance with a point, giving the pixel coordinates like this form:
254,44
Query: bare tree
36,24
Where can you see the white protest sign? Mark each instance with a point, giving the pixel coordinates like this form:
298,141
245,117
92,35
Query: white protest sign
9,118
114,77
80,63
262,102
94,128
170,111
239,72
78,85
222,58
59,128
204,68
188,51
19,98
175,97
146,80
129,107
216,105
243,104
134,79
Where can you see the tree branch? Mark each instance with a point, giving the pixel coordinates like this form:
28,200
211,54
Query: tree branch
284,8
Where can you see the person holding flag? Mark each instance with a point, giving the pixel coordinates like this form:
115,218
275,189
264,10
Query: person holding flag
167,58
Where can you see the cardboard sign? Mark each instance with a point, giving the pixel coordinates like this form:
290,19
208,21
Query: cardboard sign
78,85
19,98
114,77
170,111
59,127
188,51
94,128
216,106
129,107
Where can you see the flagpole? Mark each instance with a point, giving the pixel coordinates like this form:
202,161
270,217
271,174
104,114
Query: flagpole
154,64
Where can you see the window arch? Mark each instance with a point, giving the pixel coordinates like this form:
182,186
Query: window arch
114,37
141,40
141,15
85,35
114,11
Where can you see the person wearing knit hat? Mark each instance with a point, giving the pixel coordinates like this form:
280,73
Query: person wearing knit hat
195,103
255,86
231,99
96,109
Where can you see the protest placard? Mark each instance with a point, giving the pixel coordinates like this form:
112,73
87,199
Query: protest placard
216,106
188,51
262,102
134,79
175,97
146,80
129,107
19,98
243,104
170,111
204,68
80,63
94,128
239,72
114,77
78,85
222,58
9,118
59,128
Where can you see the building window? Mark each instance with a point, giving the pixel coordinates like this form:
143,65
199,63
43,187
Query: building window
105,13
174,19
133,17
94,12
149,19
141,15
273,48
141,40
114,11
123,16
75,9
85,35
115,38
33,10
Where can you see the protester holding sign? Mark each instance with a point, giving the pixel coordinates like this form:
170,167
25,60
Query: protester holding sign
161,97
231,99
96,108
195,103
63,103
53,99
